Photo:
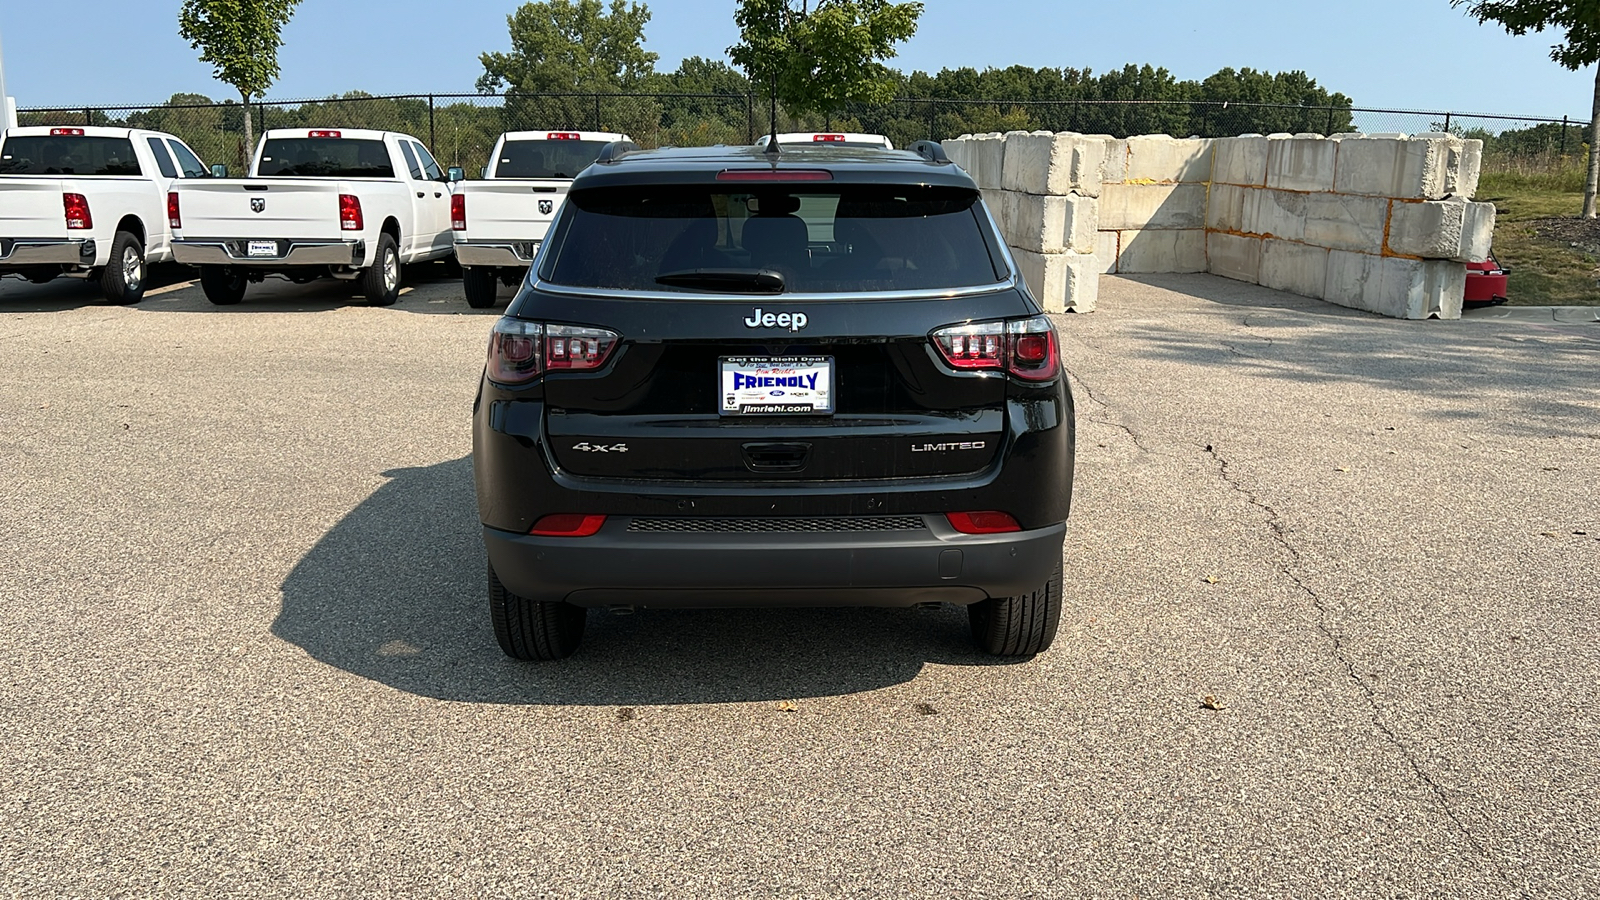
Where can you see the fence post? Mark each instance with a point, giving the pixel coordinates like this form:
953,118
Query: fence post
433,138
596,112
88,116
1446,123
1563,135
750,117
1329,129
932,111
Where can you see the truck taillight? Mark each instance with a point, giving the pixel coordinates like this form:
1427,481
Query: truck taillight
458,212
562,136
520,351
828,138
350,213
323,134
1024,347
77,210
174,215
66,132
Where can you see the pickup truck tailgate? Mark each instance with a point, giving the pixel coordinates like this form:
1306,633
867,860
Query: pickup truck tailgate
264,208
32,208
512,209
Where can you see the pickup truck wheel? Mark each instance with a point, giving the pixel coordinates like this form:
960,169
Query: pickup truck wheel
381,282
481,284
122,280
1018,626
223,286
533,629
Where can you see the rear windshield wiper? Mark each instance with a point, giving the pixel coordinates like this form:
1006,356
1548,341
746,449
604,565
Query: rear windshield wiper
740,281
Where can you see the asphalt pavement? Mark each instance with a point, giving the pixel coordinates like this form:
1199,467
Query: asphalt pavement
1331,631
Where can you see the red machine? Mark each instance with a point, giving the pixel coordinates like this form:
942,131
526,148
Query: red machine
1486,282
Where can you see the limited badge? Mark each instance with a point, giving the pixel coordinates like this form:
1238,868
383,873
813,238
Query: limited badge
258,204
545,206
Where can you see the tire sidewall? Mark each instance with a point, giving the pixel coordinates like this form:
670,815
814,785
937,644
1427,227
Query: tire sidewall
372,284
113,284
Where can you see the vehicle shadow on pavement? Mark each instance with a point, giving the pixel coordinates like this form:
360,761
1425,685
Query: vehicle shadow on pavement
395,593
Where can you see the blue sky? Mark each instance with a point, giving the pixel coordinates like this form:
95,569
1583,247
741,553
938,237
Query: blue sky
1406,53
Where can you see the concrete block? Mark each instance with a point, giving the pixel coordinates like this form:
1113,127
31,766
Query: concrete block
1454,229
986,158
1114,167
1397,287
1061,281
1051,224
1162,159
1225,207
1154,252
1234,256
1296,268
1419,168
995,200
1240,160
1125,207
1345,222
960,151
1463,168
1043,163
1107,245
1301,163
1275,214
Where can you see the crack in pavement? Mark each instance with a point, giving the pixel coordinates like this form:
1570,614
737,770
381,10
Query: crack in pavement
1280,534
1138,441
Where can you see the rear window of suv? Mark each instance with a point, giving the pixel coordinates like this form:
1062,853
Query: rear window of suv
325,158
67,155
827,239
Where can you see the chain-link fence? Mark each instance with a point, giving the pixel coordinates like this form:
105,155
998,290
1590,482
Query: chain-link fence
461,128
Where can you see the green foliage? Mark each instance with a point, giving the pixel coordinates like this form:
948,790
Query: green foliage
817,60
1580,19
239,38
562,46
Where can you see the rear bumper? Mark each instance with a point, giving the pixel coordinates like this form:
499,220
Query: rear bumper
291,252
17,252
507,254
619,566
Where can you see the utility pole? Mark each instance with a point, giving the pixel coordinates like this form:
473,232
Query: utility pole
8,107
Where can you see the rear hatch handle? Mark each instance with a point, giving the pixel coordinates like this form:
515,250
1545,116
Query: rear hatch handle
777,456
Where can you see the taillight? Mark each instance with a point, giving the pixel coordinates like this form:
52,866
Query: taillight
1024,347
350,213
66,132
174,215
770,174
458,212
828,138
567,525
574,348
563,136
323,134
987,522
520,351
77,209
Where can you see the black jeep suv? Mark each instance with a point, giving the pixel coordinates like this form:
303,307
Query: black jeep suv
735,378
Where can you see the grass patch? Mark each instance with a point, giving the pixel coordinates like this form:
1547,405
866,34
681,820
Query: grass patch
1544,272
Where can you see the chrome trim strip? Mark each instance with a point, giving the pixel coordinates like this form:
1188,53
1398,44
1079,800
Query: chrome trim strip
500,253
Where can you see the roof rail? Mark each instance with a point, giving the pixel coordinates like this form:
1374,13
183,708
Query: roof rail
932,151
614,150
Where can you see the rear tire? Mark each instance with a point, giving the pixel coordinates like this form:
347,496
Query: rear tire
533,629
122,280
223,286
380,283
1021,625
482,286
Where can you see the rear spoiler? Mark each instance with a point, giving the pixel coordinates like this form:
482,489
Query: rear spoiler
932,151
614,151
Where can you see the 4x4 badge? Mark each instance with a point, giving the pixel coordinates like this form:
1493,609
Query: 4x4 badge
791,321
586,447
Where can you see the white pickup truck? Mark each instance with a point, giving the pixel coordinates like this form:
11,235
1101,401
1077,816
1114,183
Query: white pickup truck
500,222
348,203
89,202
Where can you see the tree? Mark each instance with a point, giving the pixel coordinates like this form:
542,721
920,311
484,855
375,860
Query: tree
816,60
1581,20
566,47
240,38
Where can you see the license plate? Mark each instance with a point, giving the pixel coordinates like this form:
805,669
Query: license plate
777,385
263,248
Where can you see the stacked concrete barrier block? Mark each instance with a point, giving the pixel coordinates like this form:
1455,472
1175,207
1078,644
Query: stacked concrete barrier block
1375,222
1154,201
1049,212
